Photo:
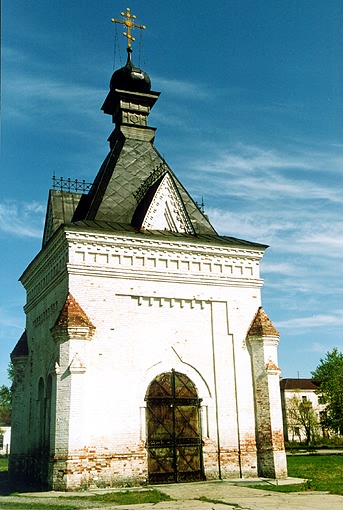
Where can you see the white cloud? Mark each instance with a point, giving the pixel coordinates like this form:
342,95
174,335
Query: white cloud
249,158
280,268
191,90
40,95
22,219
312,321
45,92
10,320
259,175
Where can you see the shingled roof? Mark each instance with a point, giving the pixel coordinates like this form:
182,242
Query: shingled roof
298,384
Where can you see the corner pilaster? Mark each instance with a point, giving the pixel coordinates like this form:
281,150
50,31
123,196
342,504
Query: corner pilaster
72,333
262,342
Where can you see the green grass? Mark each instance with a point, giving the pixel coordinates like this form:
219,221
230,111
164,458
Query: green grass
3,464
131,497
8,505
323,472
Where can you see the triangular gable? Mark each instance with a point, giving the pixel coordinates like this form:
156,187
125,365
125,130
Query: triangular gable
163,209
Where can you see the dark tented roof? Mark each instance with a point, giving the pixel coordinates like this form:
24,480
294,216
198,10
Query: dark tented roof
134,187
126,176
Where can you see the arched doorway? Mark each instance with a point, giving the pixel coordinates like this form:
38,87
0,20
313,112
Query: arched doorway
174,440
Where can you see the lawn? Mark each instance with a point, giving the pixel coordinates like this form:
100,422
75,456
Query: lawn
3,464
87,502
324,472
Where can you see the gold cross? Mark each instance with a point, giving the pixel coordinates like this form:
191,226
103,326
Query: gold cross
129,24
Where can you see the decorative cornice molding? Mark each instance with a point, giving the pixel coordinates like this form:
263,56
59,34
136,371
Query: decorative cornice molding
174,277
136,258
131,240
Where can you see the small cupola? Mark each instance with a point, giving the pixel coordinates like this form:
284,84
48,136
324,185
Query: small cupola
130,77
130,98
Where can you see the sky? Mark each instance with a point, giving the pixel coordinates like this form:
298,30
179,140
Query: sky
249,118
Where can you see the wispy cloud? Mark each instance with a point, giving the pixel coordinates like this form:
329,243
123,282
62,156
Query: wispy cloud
312,321
187,89
8,319
22,219
62,98
280,268
253,173
47,95
299,154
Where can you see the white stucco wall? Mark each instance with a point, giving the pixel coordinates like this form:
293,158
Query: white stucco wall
156,305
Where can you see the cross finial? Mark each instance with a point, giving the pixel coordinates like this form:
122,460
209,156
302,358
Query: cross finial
127,21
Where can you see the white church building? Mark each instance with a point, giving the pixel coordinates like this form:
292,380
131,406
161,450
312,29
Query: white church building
147,357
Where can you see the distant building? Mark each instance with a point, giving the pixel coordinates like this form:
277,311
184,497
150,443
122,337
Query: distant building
305,391
5,440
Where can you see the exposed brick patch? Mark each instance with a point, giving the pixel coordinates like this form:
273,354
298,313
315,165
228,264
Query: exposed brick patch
86,468
73,316
262,325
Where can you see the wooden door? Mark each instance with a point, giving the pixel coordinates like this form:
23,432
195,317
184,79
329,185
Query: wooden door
174,440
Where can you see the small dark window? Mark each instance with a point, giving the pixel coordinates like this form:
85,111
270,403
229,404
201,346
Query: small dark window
304,398
1,441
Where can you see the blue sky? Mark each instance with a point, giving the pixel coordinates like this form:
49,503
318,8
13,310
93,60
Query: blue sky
249,117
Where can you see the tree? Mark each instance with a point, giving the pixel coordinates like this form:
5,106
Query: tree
302,419
5,405
6,400
329,377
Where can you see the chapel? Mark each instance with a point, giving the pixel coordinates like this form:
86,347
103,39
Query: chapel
147,356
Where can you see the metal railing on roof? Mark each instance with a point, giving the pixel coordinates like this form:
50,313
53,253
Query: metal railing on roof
70,185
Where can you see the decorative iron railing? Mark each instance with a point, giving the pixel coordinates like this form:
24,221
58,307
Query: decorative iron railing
70,185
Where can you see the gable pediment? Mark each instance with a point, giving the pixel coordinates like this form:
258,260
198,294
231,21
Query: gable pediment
162,209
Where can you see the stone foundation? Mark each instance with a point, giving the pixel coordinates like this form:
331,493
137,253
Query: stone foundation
89,467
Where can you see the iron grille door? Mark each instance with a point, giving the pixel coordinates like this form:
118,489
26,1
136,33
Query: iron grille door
174,440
